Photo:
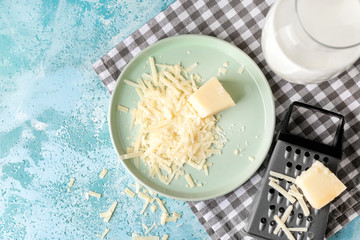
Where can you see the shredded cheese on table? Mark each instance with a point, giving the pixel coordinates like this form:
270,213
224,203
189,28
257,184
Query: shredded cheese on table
171,133
103,173
94,194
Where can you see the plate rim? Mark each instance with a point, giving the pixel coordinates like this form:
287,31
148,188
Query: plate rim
271,118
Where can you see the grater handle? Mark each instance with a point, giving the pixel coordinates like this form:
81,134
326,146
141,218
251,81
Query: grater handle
334,149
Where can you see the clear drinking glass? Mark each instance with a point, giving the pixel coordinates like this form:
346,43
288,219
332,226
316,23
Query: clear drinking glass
310,41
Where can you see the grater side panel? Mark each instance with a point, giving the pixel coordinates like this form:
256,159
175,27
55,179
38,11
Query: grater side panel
291,160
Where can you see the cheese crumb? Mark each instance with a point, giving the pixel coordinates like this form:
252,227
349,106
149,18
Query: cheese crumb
122,108
251,158
146,238
104,234
108,214
165,237
236,151
241,69
129,192
153,208
103,173
94,194
163,218
189,180
71,183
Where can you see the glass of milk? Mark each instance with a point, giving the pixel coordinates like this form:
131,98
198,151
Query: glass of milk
310,41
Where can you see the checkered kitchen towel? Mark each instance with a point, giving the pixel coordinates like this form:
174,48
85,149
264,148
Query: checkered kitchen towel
240,22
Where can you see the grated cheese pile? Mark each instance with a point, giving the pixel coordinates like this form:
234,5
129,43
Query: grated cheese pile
171,132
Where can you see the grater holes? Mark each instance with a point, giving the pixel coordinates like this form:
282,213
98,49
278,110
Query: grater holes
297,170
326,159
281,211
288,150
316,157
288,167
310,236
306,157
299,218
271,226
297,154
262,224
299,235
279,198
309,221
271,194
271,210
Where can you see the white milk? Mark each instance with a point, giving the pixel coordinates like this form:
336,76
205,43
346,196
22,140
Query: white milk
295,56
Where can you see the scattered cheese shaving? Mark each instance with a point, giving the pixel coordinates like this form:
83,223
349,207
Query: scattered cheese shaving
299,229
94,194
130,155
153,69
104,234
144,207
146,238
122,108
153,208
138,187
177,215
103,173
251,158
222,71
180,225
236,151
131,83
108,214
129,192
163,218
284,217
206,170
190,68
189,180
282,176
71,183
161,205
226,64
284,228
241,69
274,180
282,191
165,237
294,192
149,230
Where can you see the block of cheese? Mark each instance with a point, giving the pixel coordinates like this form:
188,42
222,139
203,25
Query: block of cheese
319,185
210,98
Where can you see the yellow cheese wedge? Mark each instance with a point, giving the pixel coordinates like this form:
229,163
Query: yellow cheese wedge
319,185
210,99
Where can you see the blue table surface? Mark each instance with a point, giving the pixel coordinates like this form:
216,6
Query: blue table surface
53,124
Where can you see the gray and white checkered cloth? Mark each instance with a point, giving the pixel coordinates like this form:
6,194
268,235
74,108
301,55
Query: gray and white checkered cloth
240,22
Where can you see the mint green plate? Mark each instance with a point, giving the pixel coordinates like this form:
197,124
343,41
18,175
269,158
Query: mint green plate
249,125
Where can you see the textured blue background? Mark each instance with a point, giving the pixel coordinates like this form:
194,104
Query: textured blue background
53,124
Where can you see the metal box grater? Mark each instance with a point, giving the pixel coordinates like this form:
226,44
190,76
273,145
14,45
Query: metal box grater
291,155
